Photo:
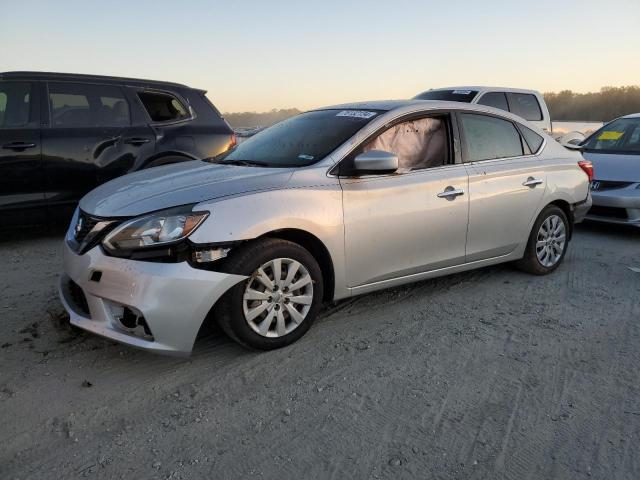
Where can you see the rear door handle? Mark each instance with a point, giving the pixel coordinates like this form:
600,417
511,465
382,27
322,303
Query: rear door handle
136,141
451,193
532,182
18,146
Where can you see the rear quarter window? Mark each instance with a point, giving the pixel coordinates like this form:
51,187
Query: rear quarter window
532,138
525,105
163,107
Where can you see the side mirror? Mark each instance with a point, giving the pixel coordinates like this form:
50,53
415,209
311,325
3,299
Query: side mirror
376,161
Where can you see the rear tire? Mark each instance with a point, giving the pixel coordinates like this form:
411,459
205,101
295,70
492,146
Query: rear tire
548,242
279,301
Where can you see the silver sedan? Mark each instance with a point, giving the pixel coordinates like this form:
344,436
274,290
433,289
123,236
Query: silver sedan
615,153
332,203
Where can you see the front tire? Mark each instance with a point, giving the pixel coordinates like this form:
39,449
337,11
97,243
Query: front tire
548,242
279,301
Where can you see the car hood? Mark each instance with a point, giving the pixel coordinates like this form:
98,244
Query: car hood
614,166
178,184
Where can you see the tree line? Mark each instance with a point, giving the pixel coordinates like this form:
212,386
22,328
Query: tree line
262,119
605,105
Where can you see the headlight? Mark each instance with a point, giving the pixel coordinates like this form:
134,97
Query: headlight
158,229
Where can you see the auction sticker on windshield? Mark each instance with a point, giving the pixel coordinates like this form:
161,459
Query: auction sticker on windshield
356,114
610,135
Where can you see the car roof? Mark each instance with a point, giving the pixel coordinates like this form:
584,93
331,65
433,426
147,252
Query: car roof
481,89
55,76
402,107
418,105
632,115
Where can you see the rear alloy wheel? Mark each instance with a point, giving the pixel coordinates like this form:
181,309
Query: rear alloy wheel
547,242
552,237
279,300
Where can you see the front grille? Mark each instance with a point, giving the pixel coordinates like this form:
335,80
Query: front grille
78,298
600,185
83,226
611,212
89,231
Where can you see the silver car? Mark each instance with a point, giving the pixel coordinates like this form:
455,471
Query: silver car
332,203
615,153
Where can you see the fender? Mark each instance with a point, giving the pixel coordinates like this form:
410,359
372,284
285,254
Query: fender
316,210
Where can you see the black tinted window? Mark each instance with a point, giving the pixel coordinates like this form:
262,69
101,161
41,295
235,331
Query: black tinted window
14,104
79,105
449,95
532,138
495,99
163,107
525,105
489,137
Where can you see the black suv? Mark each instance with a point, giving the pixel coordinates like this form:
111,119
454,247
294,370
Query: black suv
61,135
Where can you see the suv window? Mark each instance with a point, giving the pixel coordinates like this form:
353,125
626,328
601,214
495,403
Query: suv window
419,144
525,105
79,105
495,99
14,104
488,137
163,107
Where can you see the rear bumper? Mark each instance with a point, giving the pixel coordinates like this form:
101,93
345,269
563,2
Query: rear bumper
172,298
580,210
620,206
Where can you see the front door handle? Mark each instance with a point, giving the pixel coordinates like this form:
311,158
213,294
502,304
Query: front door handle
451,193
532,182
18,146
136,141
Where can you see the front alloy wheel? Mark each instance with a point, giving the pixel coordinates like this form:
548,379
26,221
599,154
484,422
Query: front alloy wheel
278,297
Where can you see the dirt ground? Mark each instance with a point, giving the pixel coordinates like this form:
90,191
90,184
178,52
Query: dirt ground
487,374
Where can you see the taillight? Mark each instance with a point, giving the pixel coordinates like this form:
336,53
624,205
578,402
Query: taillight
587,167
234,140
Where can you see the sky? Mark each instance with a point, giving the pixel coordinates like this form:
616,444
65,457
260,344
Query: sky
260,55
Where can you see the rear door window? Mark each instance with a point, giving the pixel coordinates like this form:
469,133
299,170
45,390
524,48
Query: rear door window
15,104
488,138
163,107
84,105
524,105
495,99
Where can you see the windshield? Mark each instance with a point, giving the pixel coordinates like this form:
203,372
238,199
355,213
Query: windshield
298,141
449,95
619,136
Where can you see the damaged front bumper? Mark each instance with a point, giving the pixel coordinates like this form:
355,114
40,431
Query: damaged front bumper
150,305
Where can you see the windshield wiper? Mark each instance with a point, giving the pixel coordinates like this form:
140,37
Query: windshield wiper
244,163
